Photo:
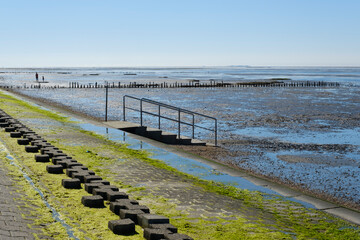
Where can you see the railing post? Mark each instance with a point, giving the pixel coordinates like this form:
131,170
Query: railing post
179,123
124,108
159,116
106,102
193,126
141,113
215,132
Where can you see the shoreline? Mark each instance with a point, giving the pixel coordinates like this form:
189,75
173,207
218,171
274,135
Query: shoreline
208,153
194,206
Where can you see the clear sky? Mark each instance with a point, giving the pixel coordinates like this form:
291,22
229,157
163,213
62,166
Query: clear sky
89,33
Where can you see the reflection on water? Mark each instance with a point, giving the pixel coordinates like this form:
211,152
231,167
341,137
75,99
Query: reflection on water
183,164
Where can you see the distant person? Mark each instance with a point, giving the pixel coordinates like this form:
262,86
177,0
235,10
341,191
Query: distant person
37,76
43,78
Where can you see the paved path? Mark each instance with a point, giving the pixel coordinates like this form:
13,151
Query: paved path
12,224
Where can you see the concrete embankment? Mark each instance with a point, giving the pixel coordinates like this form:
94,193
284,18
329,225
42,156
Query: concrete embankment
198,208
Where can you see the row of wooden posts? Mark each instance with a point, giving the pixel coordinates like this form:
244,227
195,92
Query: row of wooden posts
182,85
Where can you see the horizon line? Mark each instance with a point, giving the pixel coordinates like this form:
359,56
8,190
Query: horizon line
191,66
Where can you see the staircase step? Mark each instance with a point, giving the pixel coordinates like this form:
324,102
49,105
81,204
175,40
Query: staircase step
169,138
197,142
153,133
183,140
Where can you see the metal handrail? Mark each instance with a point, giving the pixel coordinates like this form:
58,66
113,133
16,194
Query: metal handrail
178,120
124,104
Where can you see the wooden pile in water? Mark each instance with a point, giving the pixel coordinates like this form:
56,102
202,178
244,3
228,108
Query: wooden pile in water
191,84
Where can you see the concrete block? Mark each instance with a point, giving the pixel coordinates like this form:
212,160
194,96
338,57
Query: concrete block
91,178
132,214
122,226
82,167
154,234
31,149
90,172
113,195
42,144
89,187
9,129
93,201
70,171
143,208
101,192
37,140
15,134
59,154
23,141
55,159
105,182
127,201
24,130
73,183
49,152
71,164
111,187
32,137
5,119
80,175
63,162
49,148
54,169
146,219
167,226
4,124
116,206
123,204
42,158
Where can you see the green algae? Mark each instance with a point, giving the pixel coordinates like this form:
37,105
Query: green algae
86,222
37,213
8,102
287,218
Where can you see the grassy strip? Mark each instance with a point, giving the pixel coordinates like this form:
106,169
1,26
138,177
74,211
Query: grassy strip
8,101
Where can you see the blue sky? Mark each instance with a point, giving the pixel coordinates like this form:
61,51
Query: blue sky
90,33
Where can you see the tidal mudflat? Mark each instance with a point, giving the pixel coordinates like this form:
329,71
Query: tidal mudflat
304,137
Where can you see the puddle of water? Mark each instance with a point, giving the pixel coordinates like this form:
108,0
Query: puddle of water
53,211
187,165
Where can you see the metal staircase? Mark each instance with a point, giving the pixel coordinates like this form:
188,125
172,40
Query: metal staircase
157,133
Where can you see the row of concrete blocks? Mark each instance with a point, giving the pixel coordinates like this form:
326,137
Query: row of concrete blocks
130,212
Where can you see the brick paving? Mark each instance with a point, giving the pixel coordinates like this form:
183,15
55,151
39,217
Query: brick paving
12,224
